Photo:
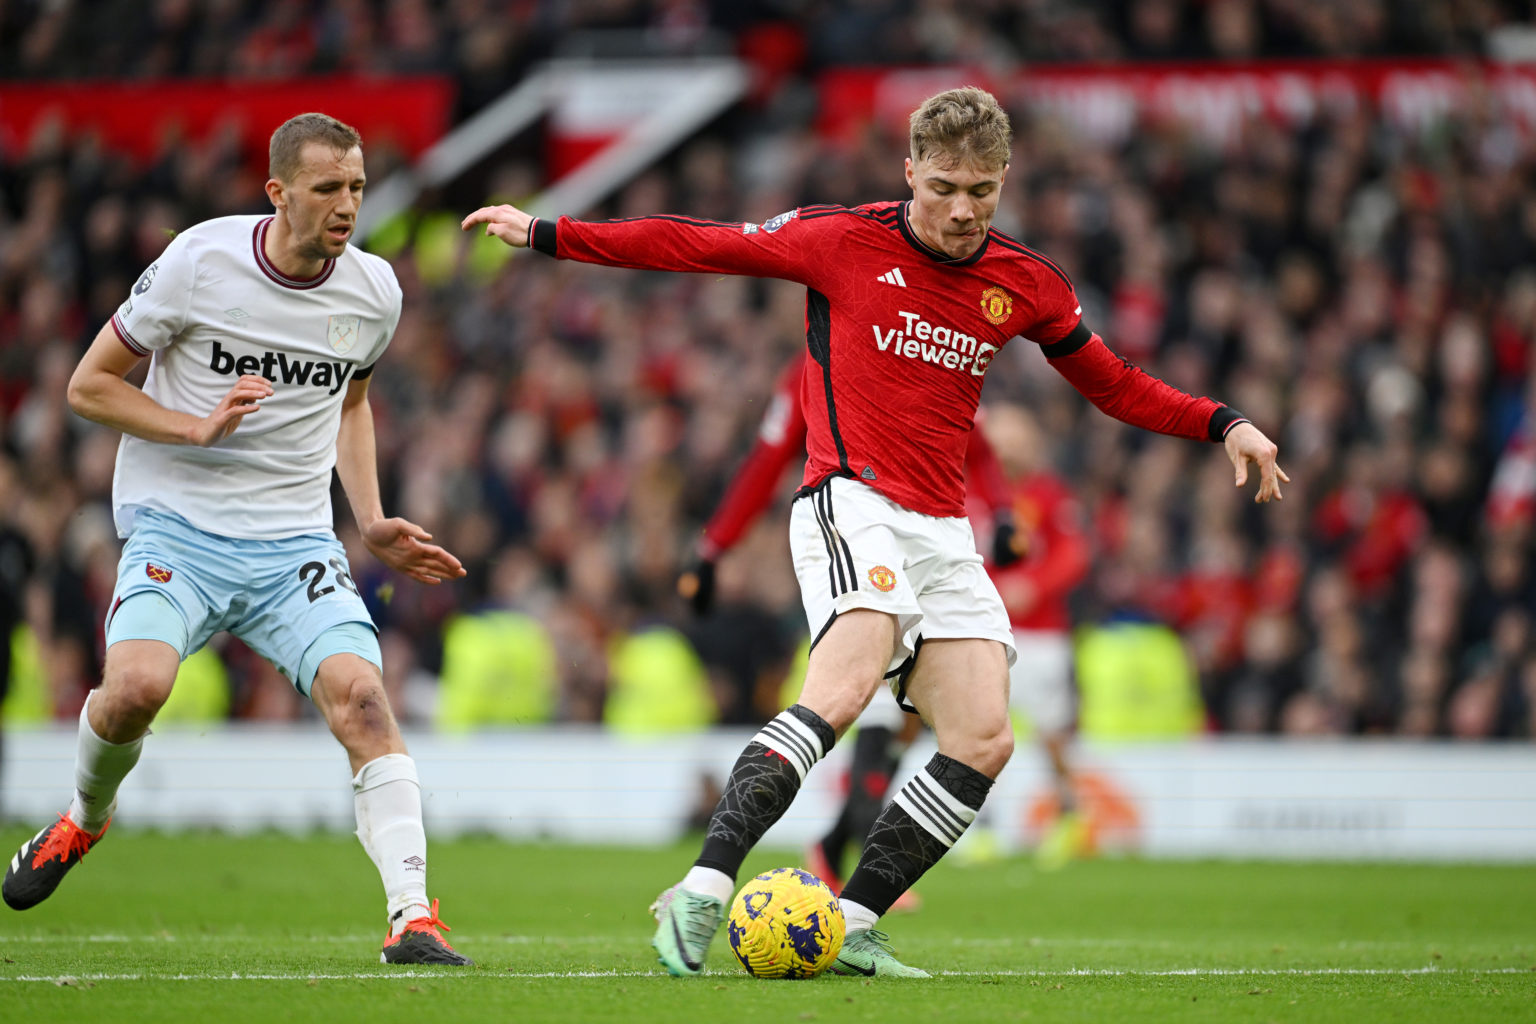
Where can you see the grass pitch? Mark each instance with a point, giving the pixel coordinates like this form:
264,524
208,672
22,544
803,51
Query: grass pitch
271,928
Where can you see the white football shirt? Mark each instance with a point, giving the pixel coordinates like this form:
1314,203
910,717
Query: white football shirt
213,307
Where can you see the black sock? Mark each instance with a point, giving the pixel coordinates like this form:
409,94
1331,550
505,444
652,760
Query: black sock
763,784
875,756
917,828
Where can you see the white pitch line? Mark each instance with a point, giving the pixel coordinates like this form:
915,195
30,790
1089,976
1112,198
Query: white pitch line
1000,942
1197,972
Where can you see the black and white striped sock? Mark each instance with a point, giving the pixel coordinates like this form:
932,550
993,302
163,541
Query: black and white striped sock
918,827
763,784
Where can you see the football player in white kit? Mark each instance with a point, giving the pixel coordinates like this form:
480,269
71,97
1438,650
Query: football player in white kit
261,333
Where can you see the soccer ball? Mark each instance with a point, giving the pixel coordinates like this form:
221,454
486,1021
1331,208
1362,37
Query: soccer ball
786,923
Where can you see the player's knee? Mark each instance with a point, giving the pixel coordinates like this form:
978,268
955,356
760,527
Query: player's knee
997,748
365,698
134,691
357,702
986,747
839,701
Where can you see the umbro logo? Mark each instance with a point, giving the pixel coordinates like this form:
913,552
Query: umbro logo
237,314
414,863
893,277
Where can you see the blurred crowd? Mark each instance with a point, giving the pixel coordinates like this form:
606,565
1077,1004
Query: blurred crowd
487,44
1366,294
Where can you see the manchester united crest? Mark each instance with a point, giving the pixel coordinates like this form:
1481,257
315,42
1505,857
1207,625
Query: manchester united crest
996,305
882,579
342,331
157,573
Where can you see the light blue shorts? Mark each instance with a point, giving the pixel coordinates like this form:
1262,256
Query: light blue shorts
292,600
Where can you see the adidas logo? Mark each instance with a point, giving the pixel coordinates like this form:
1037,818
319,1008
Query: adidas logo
893,277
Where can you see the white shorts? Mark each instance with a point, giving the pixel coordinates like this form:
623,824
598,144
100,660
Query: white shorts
855,548
1040,681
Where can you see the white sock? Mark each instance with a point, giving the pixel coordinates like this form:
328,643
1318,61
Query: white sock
100,768
858,916
387,798
710,882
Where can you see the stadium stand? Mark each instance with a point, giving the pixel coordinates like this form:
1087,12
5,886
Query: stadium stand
1361,284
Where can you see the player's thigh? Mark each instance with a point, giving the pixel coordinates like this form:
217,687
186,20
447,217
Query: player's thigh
960,687
847,665
307,608
967,641
883,712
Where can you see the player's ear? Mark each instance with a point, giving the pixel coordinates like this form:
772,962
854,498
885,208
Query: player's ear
911,175
275,193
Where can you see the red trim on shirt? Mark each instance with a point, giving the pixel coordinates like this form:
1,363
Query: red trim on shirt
126,338
259,249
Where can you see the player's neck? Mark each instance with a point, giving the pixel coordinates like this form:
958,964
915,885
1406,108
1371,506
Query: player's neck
920,233
282,251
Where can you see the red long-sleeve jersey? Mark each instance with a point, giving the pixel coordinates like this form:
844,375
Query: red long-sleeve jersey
781,440
899,334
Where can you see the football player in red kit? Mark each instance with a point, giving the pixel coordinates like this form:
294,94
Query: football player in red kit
884,732
907,303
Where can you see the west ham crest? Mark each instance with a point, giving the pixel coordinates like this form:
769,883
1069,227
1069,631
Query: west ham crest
342,331
157,573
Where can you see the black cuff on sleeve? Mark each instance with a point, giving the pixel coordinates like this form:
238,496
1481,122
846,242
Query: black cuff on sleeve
544,236
364,372
1079,336
1223,420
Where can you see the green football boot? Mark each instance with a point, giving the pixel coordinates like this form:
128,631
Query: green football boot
686,923
867,954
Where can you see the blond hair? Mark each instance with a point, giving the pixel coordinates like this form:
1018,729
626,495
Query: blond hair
284,153
962,126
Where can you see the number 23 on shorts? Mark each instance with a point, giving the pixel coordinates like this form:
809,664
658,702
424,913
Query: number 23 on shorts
314,574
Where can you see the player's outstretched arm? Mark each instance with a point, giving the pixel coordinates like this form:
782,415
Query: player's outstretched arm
505,222
98,391
1246,443
398,543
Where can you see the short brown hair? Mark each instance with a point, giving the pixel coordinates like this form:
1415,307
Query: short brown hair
283,154
966,125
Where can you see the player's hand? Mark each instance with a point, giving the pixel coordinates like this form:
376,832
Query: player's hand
1246,443
697,586
507,223
405,548
1008,545
238,403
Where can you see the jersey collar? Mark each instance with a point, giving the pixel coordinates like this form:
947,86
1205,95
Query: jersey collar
932,253
259,248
